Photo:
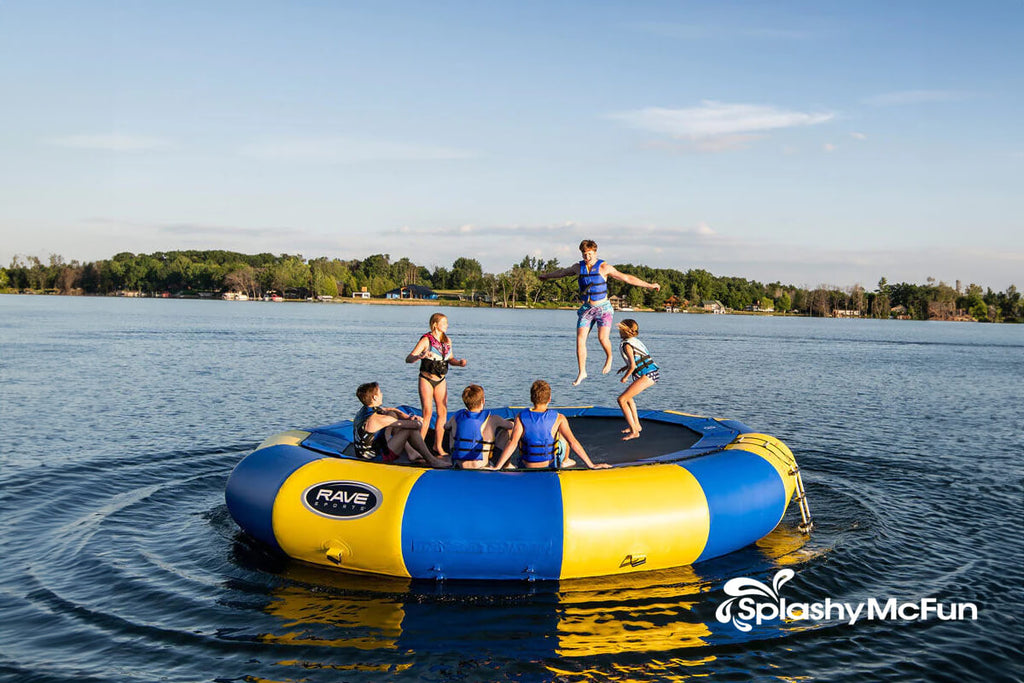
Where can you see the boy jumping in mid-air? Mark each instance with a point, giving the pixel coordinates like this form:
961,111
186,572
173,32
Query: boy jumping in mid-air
593,274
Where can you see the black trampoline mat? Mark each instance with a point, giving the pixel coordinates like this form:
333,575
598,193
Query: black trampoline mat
602,439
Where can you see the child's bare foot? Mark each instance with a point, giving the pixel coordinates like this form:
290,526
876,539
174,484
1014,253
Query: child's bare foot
568,462
631,435
627,430
440,451
579,378
607,367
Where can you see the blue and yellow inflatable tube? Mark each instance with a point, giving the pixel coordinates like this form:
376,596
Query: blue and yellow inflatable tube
299,493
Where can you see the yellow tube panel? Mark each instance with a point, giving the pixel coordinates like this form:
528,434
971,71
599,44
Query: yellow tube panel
311,537
631,519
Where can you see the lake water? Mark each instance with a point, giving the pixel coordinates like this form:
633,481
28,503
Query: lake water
121,420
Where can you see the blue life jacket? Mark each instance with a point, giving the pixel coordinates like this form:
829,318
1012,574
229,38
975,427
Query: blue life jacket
645,365
537,444
593,287
468,441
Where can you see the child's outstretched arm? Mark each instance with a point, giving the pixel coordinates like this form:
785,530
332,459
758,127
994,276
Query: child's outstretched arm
561,272
566,433
631,279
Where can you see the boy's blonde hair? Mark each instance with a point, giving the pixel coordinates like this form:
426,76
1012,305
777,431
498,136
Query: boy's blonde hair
473,396
540,392
630,327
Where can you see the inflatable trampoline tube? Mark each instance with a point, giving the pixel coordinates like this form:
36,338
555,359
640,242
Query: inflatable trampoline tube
690,489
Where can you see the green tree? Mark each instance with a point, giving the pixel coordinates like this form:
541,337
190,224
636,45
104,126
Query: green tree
324,284
465,271
377,265
379,285
441,278
699,285
784,303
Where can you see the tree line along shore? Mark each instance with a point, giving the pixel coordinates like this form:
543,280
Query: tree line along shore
215,273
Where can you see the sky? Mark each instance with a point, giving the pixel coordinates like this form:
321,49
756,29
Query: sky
809,142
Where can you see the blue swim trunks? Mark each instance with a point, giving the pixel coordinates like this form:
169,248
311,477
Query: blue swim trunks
598,313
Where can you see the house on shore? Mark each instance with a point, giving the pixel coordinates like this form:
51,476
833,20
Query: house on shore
411,292
712,306
619,303
363,293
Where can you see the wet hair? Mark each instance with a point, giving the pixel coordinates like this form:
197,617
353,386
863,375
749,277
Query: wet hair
434,320
587,245
630,327
540,392
473,396
366,391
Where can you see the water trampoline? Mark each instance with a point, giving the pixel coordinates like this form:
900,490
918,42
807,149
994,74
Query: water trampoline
690,489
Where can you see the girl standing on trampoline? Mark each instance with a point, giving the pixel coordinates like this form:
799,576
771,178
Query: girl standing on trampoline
434,352
640,368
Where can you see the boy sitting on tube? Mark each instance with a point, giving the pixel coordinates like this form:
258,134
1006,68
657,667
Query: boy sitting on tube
388,431
475,433
537,432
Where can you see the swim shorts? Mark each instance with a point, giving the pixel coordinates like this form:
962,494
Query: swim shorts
599,314
653,375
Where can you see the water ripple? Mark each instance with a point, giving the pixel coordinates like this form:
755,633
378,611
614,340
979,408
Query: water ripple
121,562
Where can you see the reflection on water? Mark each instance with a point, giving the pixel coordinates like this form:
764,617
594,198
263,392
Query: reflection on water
365,624
641,614
120,561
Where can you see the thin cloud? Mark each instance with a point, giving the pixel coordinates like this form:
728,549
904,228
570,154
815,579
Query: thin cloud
716,126
345,150
905,97
199,230
858,136
706,31
110,142
558,233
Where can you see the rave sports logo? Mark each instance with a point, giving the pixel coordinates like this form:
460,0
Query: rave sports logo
342,499
753,603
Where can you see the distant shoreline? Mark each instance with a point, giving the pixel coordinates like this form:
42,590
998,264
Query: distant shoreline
448,303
